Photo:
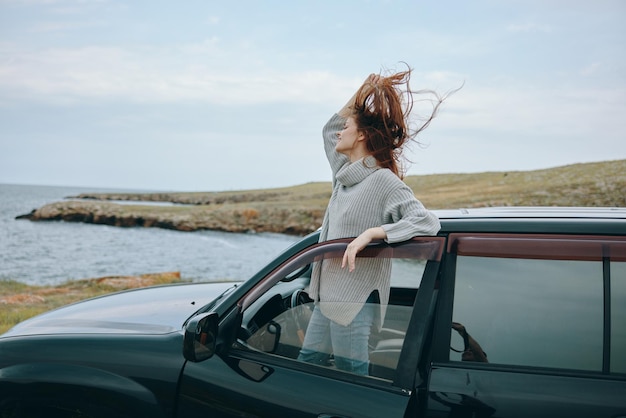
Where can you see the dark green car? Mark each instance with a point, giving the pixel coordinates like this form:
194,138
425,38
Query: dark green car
510,312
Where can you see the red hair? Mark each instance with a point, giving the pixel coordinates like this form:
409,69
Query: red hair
381,113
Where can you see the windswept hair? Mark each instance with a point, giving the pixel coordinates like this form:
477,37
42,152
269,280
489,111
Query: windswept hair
381,112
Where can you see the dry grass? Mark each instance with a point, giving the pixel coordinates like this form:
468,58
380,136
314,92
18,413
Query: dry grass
590,184
20,301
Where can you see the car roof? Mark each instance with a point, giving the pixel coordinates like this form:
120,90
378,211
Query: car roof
522,219
532,212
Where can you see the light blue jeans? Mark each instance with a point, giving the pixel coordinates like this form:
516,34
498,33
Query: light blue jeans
349,344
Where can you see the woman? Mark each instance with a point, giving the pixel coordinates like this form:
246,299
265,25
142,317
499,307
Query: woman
363,143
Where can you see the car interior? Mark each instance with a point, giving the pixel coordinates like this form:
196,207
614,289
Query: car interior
276,322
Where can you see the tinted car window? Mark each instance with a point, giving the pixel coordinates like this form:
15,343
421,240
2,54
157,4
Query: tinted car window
529,312
541,301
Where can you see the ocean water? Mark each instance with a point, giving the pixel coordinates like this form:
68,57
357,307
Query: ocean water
54,252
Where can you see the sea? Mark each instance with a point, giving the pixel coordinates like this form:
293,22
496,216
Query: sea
54,252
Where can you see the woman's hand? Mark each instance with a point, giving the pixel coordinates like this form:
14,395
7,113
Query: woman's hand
360,242
346,111
373,79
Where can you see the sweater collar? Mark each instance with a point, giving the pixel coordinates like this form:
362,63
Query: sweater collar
353,173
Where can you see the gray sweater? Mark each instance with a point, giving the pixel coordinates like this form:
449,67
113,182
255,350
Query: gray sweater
364,196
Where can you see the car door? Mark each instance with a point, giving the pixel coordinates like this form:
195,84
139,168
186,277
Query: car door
531,326
260,374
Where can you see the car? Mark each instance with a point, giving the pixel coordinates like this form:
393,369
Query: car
507,312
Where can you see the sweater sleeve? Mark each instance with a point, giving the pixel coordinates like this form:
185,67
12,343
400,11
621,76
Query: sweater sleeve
329,133
408,217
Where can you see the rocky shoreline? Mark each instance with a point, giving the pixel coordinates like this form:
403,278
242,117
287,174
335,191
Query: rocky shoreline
292,221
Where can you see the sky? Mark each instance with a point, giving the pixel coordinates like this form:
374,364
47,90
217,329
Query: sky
201,95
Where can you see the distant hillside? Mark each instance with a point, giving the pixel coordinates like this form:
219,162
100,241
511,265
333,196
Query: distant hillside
591,184
299,209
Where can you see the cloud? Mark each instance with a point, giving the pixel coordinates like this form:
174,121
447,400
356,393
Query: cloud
523,107
203,73
198,72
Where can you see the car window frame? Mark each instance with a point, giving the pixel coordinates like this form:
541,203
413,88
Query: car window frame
528,246
418,322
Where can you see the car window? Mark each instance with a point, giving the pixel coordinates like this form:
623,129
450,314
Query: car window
276,322
532,312
407,272
536,302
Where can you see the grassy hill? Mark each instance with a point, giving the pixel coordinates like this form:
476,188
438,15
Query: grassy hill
591,184
299,209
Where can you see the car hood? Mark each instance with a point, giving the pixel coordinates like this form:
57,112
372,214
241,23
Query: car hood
153,310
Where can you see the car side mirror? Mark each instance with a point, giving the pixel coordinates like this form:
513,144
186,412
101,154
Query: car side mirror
200,338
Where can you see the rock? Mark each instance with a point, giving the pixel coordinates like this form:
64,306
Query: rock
27,215
183,218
